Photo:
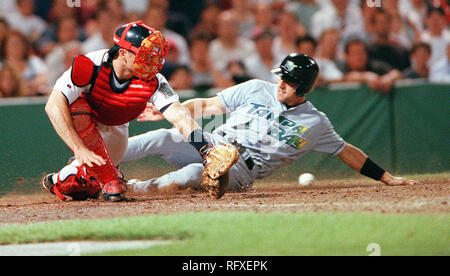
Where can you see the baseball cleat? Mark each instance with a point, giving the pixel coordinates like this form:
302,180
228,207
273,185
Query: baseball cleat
113,198
114,190
47,182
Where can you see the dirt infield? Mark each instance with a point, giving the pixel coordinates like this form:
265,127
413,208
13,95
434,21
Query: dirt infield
432,195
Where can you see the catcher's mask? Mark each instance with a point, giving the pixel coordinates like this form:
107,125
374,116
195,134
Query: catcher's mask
299,69
147,44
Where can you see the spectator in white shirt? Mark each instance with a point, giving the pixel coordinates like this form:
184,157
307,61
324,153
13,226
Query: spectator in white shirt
414,12
8,7
289,29
343,15
264,17
399,26
156,17
229,45
326,55
440,71
25,21
106,26
243,11
260,64
135,6
60,59
436,34
304,10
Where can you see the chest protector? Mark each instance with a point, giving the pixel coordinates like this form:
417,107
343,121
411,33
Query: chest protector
112,104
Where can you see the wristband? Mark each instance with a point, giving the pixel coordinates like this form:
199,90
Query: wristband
372,170
197,140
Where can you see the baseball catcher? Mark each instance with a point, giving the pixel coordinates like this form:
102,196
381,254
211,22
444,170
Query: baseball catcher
93,102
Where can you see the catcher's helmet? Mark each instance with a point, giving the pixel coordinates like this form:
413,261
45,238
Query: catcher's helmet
148,44
130,36
299,69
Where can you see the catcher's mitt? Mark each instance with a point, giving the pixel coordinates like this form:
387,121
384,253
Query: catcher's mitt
215,175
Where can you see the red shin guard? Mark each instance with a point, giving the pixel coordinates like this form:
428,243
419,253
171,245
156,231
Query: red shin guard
107,175
77,185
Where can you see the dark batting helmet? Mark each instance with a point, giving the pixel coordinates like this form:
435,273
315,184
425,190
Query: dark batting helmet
298,69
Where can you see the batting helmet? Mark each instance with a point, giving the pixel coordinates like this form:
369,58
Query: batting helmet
299,69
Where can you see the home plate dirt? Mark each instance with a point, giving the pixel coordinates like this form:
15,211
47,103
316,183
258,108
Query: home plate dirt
73,248
431,196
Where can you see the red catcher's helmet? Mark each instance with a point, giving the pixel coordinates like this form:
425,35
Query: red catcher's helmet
146,43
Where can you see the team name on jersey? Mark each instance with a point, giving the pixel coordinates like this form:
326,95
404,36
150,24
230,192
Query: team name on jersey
283,129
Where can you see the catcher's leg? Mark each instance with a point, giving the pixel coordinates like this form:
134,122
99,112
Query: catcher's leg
113,187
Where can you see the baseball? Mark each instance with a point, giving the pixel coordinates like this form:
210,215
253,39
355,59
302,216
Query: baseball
306,179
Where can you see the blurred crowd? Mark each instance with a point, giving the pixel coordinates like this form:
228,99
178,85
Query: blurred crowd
219,43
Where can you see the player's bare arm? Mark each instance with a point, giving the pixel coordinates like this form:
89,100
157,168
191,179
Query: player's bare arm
180,118
204,107
59,115
360,162
198,108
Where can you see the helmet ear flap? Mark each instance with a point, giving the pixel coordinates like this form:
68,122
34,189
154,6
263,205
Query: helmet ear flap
300,91
303,89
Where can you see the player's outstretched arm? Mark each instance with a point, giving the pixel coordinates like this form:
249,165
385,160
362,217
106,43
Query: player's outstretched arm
204,107
180,118
198,108
360,162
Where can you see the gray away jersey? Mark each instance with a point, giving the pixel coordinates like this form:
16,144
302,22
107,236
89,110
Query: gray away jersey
274,135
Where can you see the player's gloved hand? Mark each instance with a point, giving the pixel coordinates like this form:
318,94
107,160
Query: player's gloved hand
150,113
218,161
397,181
